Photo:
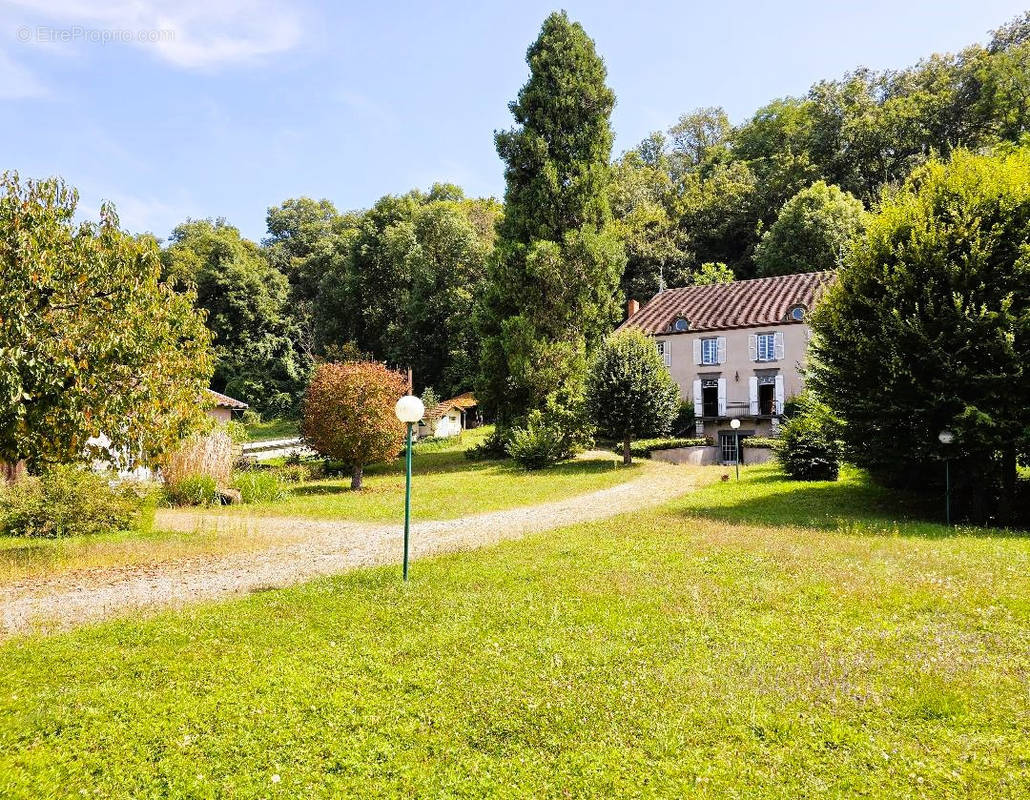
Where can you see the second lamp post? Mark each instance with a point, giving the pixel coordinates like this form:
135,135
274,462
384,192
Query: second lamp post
409,410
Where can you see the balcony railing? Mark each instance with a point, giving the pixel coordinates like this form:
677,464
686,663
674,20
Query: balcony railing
742,409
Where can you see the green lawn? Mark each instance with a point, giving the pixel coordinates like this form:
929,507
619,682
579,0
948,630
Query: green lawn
272,429
724,646
445,485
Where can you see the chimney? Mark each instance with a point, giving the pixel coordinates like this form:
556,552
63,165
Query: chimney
632,307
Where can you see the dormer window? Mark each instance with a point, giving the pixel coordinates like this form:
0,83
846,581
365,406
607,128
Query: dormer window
797,313
681,324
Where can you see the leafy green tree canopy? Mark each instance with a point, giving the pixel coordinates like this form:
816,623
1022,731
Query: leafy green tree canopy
91,340
813,232
928,328
258,355
629,392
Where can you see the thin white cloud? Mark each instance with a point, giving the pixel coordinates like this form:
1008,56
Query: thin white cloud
193,34
17,83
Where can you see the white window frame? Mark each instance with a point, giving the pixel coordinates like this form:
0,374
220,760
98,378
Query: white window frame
710,352
769,353
664,352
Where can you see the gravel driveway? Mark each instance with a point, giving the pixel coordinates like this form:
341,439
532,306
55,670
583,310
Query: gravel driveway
299,550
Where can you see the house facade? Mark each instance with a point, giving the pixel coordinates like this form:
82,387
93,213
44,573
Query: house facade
736,350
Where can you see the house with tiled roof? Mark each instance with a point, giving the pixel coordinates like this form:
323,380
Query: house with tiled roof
736,349
450,417
221,406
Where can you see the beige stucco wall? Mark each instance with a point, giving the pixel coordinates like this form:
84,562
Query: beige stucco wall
737,369
220,414
738,366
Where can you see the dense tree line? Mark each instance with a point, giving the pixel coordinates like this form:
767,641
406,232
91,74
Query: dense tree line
440,282
397,283
708,191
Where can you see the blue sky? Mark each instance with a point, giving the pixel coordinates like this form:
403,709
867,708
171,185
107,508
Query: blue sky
240,104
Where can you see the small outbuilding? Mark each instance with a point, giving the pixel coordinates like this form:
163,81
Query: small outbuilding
451,417
221,406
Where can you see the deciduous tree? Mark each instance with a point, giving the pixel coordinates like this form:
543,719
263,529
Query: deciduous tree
928,328
349,414
813,232
91,340
630,394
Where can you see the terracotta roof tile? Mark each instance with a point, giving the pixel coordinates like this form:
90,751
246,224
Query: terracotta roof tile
463,402
219,400
721,306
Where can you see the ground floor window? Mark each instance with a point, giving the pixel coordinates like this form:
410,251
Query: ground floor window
731,447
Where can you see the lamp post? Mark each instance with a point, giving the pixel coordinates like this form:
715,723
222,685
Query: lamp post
409,410
735,424
946,437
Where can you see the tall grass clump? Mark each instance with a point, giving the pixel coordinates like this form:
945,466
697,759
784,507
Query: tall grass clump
198,466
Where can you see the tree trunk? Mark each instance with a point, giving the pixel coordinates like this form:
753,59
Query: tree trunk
356,476
627,456
10,473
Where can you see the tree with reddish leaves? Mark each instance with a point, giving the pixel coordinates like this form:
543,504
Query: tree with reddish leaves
349,416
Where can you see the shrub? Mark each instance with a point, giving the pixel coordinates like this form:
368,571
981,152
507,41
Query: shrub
300,472
760,442
192,490
685,420
237,431
807,450
73,501
644,447
250,417
536,445
260,486
492,447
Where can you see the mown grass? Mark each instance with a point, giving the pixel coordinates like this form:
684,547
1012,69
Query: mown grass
700,650
272,429
445,485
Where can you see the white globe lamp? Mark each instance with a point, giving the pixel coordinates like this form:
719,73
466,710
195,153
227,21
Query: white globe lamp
409,409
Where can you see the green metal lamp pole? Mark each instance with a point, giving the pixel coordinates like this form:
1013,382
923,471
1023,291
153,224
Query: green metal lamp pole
409,410
407,501
946,437
735,424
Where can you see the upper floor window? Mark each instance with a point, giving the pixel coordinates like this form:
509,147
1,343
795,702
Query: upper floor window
681,324
663,351
709,351
797,313
766,347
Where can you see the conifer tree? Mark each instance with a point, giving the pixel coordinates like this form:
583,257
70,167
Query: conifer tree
552,290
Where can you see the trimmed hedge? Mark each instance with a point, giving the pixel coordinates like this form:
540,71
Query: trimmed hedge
760,442
642,448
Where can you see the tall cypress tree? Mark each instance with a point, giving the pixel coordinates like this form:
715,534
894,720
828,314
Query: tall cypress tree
552,290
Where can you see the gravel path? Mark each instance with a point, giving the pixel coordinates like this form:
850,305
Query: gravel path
299,550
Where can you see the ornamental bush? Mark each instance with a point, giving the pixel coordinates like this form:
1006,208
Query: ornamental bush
807,450
540,443
349,414
644,447
73,501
